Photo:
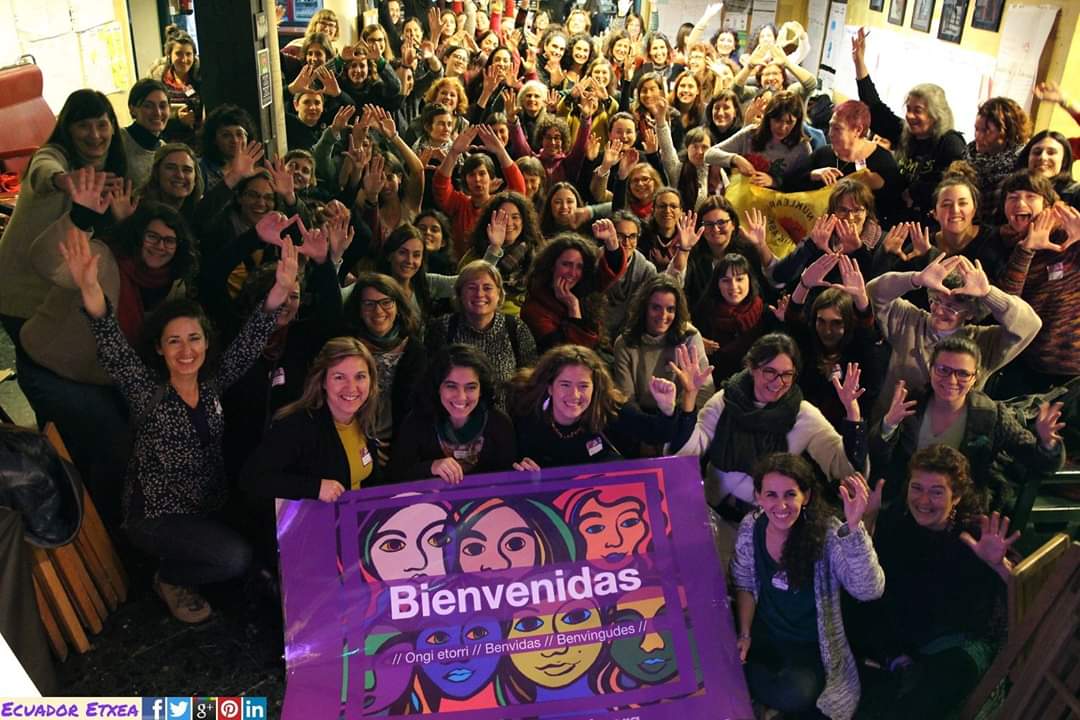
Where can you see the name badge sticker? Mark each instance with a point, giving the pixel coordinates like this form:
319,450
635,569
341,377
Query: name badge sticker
277,377
1056,271
594,446
365,458
779,581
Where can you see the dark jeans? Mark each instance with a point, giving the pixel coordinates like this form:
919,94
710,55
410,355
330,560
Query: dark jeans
787,677
192,549
93,422
932,687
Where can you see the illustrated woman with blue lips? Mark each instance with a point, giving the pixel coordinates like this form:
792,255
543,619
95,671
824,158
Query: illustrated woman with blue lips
464,683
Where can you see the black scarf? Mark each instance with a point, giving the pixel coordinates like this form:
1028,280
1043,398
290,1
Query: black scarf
745,432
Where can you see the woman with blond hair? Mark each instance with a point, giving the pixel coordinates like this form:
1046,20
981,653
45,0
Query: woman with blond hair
323,443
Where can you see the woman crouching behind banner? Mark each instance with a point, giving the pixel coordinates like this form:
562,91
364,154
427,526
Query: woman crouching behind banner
568,409
791,560
322,444
456,429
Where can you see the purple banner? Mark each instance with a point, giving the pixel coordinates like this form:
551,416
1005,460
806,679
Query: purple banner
587,592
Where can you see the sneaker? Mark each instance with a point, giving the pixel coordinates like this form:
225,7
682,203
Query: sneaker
185,604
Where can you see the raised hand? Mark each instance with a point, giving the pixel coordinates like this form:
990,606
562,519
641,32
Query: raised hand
753,227
492,78
855,494
592,146
649,141
629,159
341,119
509,96
893,242
284,277
851,281
993,543
448,469
932,277
83,268
490,140
588,106
281,178
976,284
858,47
900,407
1068,219
86,187
339,229
684,230
659,111
330,86
847,233
384,122
245,163
612,153
271,225
604,231
822,232
920,239
1049,91
1038,236
1048,425
330,490
687,369
374,179
496,229
849,391
121,201
814,274
316,242
663,392
779,310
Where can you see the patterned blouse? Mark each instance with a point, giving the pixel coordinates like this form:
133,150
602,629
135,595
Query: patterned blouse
172,470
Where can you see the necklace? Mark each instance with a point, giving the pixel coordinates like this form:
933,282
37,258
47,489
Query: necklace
563,435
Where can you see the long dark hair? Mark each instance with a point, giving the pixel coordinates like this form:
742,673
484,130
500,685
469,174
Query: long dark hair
680,327
407,320
1065,176
85,105
219,117
781,103
395,240
151,191
806,540
530,386
543,273
530,226
719,135
547,218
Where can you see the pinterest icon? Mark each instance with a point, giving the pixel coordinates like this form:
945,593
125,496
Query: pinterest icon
228,708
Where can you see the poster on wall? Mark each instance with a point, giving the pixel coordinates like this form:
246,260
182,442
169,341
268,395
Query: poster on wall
1023,39
102,50
816,25
584,593
837,49
764,13
951,23
921,14
987,14
897,8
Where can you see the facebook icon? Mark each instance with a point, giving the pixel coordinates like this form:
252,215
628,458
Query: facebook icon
153,708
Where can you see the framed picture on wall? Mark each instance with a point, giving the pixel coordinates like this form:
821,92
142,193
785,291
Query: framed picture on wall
921,14
987,15
951,25
877,5
897,8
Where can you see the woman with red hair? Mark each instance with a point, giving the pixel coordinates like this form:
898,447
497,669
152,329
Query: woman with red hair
849,151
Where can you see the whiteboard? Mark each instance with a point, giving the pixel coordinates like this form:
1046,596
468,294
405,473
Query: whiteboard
817,19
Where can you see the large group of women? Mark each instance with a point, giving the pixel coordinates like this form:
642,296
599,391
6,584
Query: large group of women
499,242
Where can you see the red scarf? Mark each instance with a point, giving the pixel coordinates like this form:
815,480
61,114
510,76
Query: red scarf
729,321
135,276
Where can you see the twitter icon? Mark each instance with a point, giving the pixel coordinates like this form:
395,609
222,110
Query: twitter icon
179,708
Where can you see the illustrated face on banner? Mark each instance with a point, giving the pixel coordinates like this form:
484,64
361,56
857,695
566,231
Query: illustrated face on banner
385,682
460,678
410,543
559,666
499,540
650,658
612,532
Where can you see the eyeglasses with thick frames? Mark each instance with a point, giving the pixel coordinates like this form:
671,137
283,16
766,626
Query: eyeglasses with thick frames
961,375
166,241
708,224
771,375
385,304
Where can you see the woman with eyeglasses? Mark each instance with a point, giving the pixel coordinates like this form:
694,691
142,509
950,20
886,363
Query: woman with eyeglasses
761,410
849,227
960,294
380,316
959,416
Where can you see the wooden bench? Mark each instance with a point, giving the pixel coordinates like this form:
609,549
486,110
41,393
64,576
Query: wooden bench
79,584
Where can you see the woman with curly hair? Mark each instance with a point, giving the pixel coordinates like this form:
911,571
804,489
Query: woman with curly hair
180,74
940,623
510,221
567,410
175,180
792,559
455,428
766,152
1002,128
565,297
